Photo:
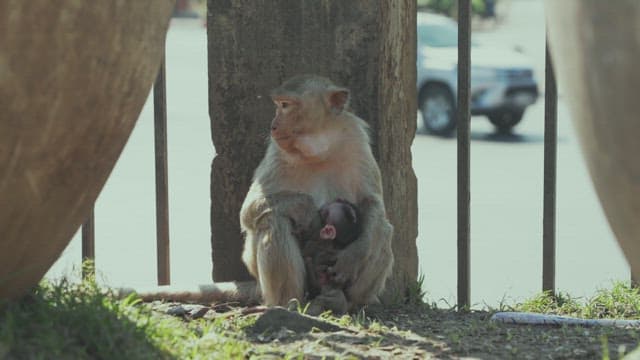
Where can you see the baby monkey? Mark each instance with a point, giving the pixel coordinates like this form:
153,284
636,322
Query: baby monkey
340,226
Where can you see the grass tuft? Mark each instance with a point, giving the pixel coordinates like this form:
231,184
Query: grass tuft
64,320
622,301
415,292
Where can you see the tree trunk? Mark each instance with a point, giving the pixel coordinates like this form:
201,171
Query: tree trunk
367,46
396,129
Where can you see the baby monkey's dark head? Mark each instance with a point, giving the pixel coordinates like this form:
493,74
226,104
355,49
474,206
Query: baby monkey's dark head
341,222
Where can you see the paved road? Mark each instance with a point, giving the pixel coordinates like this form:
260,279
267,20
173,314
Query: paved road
506,190
506,199
125,212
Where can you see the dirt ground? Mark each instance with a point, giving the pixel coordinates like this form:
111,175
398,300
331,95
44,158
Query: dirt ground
419,332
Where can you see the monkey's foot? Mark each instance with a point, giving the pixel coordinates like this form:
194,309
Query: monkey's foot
276,318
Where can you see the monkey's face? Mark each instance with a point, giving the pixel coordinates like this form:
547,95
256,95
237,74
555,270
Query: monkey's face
300,126
283,126
307,122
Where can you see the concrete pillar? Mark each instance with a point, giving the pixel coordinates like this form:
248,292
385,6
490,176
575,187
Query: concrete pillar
368,46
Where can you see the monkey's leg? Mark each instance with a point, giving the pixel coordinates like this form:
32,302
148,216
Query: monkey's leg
312,285
249,253
281,271
373,275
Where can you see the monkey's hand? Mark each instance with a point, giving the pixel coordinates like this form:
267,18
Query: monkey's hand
348,263
323,278
329,299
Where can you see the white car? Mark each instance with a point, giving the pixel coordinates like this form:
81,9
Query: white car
502,81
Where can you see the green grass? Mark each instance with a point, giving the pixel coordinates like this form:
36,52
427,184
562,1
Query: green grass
65,320
81,321
621,301
415,292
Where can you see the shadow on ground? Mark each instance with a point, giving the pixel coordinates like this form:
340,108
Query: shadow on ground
421,332
473,334
510,137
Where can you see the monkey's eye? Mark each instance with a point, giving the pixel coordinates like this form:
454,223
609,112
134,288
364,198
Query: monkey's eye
284,104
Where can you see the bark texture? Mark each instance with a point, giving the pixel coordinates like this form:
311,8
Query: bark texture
74,76
396,128
365,45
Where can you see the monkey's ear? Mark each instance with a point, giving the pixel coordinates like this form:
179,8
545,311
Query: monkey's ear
338,100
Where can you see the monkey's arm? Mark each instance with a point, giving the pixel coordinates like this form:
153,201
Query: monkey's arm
271,250
313,284
296,206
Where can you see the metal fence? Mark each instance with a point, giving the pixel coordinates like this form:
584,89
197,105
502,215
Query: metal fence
464,194
162,193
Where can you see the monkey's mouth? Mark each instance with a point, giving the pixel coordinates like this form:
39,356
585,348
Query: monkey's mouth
285,142
281,137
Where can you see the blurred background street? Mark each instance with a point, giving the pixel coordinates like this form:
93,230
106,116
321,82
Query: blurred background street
506,189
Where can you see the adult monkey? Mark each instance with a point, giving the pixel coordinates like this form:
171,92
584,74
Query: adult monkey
319,149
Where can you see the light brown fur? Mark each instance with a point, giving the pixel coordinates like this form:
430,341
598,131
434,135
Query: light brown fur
325,155
320,149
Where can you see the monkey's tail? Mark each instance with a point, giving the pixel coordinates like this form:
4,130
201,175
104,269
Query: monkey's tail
244,293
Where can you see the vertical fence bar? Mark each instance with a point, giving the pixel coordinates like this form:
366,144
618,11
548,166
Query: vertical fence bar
162,197
464,193
88,245
550,156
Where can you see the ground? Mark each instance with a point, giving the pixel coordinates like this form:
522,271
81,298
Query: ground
418,332
67,320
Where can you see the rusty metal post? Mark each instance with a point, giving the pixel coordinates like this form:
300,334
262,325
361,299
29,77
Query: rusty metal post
162,196
550,156
463,120
88,245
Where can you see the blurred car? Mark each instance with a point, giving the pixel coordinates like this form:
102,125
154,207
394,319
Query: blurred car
502,81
